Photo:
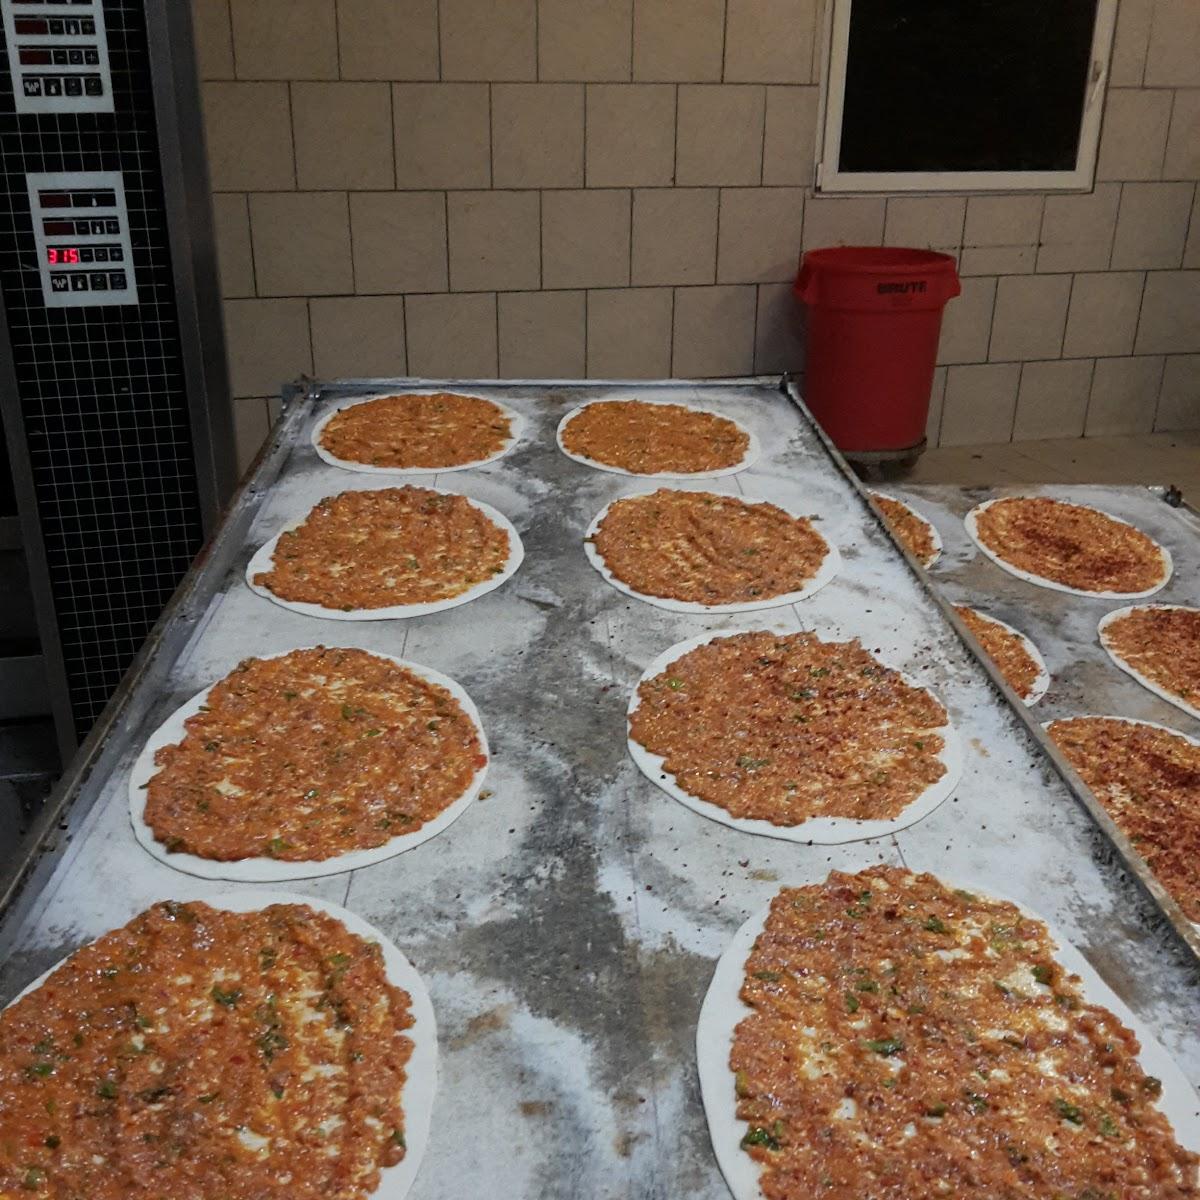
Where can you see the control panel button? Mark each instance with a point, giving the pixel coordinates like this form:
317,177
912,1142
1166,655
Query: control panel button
41,34
87,254
116,280
101,253
79,282
111,227
116,254
99,281
60,282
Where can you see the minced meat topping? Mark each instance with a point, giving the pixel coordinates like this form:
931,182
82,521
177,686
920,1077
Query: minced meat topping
441,430
311,755
911,530
708,548
1163,644
202,1053
1070,544
384,547
909,1041
646,439
1148,780
1004,648
786,727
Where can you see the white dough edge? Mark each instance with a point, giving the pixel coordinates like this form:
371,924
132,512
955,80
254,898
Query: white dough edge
971,519
1145,681
831,564
517,426
1042,682
936,537
1185,737
420,1084
821,831
264,558
752,449
723,1009
271,870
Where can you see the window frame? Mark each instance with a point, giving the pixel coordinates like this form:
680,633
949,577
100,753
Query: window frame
829,179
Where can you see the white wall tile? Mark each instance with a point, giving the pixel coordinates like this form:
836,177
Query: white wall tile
1124,396
778,331
1052,400
714,332
1134,135
1152,226
1179,403
1077,231
1173,56
1170,317
1183,145
1031,314
967,323
980,403
1103,315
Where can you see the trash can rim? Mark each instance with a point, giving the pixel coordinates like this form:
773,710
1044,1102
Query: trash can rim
874,260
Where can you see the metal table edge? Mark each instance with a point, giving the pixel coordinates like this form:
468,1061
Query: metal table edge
53,830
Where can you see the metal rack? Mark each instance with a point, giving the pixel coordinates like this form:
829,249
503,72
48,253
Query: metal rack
567,925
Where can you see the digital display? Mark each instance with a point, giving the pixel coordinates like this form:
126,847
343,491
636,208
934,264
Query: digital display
57,255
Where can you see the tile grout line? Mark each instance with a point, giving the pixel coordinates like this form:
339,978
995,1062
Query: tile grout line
671,358
446,223
437,15
337,38
395,157
250,239
724,39
491,141
232,40
404,330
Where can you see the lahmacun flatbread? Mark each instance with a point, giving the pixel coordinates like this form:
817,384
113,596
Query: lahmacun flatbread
198,1051
1015,656
1069,547
913,531
1148,779
709,550
895,1037
637,437
780,729
388,552
1159,645
310,756
416,431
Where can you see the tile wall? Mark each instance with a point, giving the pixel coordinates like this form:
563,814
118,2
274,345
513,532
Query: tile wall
621,187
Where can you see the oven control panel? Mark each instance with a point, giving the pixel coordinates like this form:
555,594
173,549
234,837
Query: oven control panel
81,228
58,55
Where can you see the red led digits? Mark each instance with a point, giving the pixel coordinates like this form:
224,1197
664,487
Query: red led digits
62,254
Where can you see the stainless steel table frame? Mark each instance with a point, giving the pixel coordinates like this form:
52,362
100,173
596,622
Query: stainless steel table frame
567,926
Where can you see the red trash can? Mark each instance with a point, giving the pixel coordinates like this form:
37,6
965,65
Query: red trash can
874,318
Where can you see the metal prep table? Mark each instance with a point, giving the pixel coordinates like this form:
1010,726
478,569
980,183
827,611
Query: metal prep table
568,924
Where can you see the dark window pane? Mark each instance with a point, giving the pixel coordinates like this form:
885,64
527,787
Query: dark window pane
966,85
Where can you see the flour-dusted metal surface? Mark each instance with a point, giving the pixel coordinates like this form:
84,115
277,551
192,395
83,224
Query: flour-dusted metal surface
1064,627
567,926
